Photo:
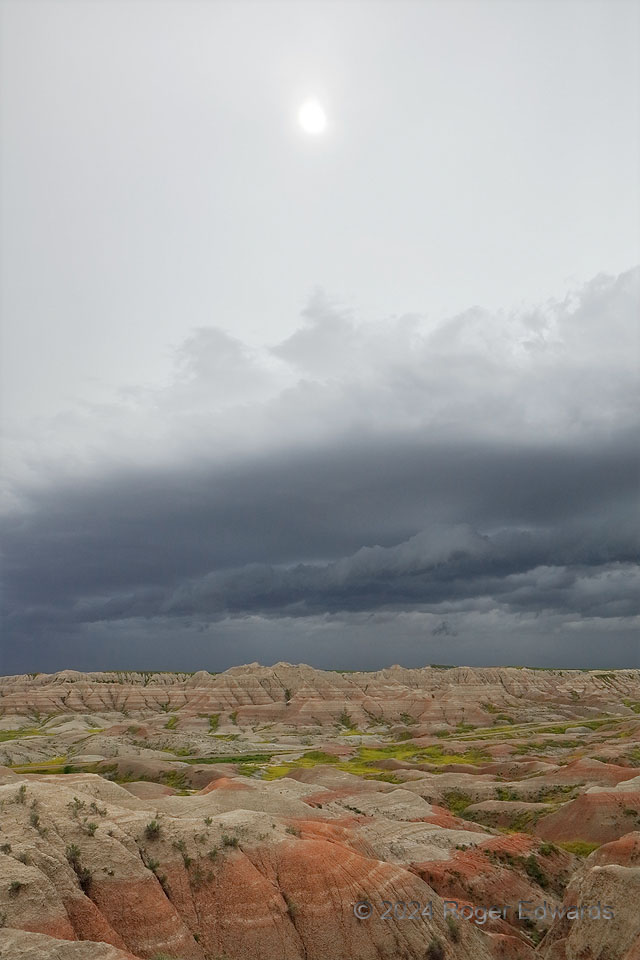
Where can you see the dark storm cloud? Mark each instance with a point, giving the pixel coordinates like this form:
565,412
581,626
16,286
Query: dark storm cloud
149,529
487,463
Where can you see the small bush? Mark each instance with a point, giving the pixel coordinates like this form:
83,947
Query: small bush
228,841
435,950
292,908
152,830
72,853
15,887
345,720
454,929
532,867
75,806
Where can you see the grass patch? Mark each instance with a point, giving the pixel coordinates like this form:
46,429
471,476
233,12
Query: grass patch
579,847
17,734
232,758
457,801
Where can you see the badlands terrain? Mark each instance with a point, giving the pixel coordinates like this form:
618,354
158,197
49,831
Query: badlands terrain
244,815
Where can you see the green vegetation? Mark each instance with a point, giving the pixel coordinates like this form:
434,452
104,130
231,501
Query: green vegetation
435,950
233,758
152,830
345,720
174,779
579,847
248,769
534,870
366,762
291,906
453,929
506,795
547,849
457,801
83,874
171,723
17,734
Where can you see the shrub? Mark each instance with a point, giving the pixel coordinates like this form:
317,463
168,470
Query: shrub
83,874
435,950
15,887
228,841
72,853
454,929
292,908
152,830
345,720
75,806
532,867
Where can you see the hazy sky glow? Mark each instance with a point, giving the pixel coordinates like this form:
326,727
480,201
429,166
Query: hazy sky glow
352,399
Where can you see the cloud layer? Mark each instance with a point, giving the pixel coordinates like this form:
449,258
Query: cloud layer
435,475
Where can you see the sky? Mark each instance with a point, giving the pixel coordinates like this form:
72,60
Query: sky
353,399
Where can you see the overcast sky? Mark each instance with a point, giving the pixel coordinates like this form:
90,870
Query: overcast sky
351,399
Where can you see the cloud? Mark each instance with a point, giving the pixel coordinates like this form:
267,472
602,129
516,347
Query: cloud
487,462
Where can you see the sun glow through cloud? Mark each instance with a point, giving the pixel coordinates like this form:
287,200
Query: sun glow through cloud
312,117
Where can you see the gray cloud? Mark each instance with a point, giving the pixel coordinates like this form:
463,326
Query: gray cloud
442,471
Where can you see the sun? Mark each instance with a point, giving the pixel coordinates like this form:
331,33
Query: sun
312,117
